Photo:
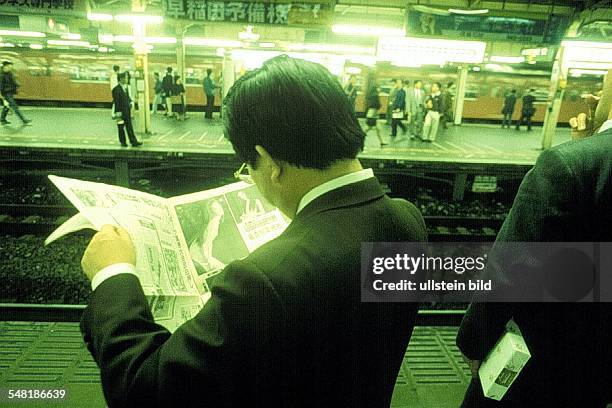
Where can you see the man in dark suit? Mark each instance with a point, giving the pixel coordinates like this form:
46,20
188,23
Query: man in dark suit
508,108
527,110
399,108
286,325
566,197
123,111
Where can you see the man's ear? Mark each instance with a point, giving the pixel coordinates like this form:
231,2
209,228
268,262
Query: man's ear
272,167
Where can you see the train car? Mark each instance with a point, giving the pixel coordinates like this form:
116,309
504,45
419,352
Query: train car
82,78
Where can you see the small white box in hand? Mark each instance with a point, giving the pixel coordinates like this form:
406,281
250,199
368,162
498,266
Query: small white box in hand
504,363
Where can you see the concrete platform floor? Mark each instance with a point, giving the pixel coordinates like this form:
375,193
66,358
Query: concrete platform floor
94,129
39,355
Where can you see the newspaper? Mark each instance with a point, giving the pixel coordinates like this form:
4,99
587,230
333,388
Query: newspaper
182,243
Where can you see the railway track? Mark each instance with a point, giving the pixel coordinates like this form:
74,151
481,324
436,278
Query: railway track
35,219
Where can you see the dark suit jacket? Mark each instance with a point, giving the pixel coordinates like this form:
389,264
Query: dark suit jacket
567,196
509,102
399,102
121,100
284,327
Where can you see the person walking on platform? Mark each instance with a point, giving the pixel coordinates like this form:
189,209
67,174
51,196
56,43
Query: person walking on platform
372,108
508,108
157,99
435,108
167,85
390,99
351,90
527,110
209,89
8,90
399,107
123,109
447,104
415,105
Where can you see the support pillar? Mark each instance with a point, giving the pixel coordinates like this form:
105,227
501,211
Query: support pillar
460,94
459,186
141,70
229,75
558,80
122,173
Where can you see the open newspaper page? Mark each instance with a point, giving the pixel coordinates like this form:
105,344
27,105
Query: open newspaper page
223,225
163,265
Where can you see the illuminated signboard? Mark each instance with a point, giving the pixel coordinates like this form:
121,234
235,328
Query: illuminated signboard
424,51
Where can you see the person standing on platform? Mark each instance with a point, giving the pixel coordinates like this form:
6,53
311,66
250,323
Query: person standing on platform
123,109
8,90
372,108
435,108
209,89
390,100
415,105
399,109
508,108
157,99
178,94
527,110
447,105
167,85
351,90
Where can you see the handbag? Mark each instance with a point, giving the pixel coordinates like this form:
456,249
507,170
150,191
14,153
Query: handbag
397,115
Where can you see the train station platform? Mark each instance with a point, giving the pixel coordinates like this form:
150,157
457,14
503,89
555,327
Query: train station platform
93,130
39,355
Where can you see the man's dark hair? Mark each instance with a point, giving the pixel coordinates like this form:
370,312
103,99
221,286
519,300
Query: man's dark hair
116,68
208,71
156,74
418,81
169,70
406,82
295,109
514,91
122,75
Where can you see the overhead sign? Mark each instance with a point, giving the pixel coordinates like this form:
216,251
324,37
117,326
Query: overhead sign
249,12
430,51
487,27
43,6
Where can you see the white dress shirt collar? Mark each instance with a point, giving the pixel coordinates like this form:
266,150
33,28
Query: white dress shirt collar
606,125
332,185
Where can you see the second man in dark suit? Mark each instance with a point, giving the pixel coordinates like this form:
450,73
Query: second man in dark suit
123,111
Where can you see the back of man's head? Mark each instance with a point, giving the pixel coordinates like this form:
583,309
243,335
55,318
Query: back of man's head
295,109
208,72
169,70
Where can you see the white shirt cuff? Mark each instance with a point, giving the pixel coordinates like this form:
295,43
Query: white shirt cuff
110,271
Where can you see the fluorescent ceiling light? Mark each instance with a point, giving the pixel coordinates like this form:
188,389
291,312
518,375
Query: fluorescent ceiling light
212,42
475,69
587,72
267,45
507,60
99,17
103,49
406,63
69,43
592,65
160,40
130,18
22,33
370,31
585,44
71,36
468,12
36,46
333,48
123,38
7,45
